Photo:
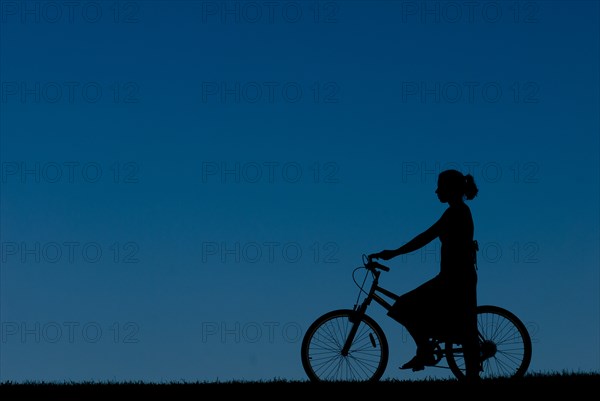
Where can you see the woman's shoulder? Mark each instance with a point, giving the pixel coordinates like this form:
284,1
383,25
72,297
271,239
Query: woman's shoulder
457,211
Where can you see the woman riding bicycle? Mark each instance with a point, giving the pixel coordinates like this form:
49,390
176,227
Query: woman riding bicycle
445,306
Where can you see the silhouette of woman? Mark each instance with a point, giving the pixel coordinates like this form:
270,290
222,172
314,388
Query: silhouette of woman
445,306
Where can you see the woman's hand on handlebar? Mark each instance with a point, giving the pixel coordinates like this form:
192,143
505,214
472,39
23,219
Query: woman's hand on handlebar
385,255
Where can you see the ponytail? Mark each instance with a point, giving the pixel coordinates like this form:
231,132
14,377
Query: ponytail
470,188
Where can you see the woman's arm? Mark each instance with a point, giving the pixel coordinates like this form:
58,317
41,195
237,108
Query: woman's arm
416,243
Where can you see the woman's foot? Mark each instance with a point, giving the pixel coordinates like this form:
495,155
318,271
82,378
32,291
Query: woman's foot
416,363
419,361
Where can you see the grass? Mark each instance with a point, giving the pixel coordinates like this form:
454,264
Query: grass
539,383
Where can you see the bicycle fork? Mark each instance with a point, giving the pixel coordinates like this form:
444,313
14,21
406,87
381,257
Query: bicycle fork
355,320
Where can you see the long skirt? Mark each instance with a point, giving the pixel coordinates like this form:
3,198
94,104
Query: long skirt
441,308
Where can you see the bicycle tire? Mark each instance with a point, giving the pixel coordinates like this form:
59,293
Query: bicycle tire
505,346
321,349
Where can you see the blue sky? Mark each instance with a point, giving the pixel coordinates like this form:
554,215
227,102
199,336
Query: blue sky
187,185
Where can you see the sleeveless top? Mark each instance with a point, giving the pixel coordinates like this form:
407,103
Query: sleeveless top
458,250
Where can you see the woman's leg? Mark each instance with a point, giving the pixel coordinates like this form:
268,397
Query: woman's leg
415,311
471,343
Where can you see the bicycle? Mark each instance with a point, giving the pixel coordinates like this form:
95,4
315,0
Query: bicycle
349,345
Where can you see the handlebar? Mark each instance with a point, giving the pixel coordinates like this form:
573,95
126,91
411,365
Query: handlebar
372,265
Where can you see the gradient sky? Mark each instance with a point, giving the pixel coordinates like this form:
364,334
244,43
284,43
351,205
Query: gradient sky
187,185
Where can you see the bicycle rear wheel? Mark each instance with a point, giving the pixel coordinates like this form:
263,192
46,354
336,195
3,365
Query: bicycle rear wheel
321,349
505,345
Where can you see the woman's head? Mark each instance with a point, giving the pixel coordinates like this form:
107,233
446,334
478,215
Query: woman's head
453,186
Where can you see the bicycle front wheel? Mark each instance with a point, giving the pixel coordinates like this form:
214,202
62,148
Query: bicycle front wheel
505,345
322,345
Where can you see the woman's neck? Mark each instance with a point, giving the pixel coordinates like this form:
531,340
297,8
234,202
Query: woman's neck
456,202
